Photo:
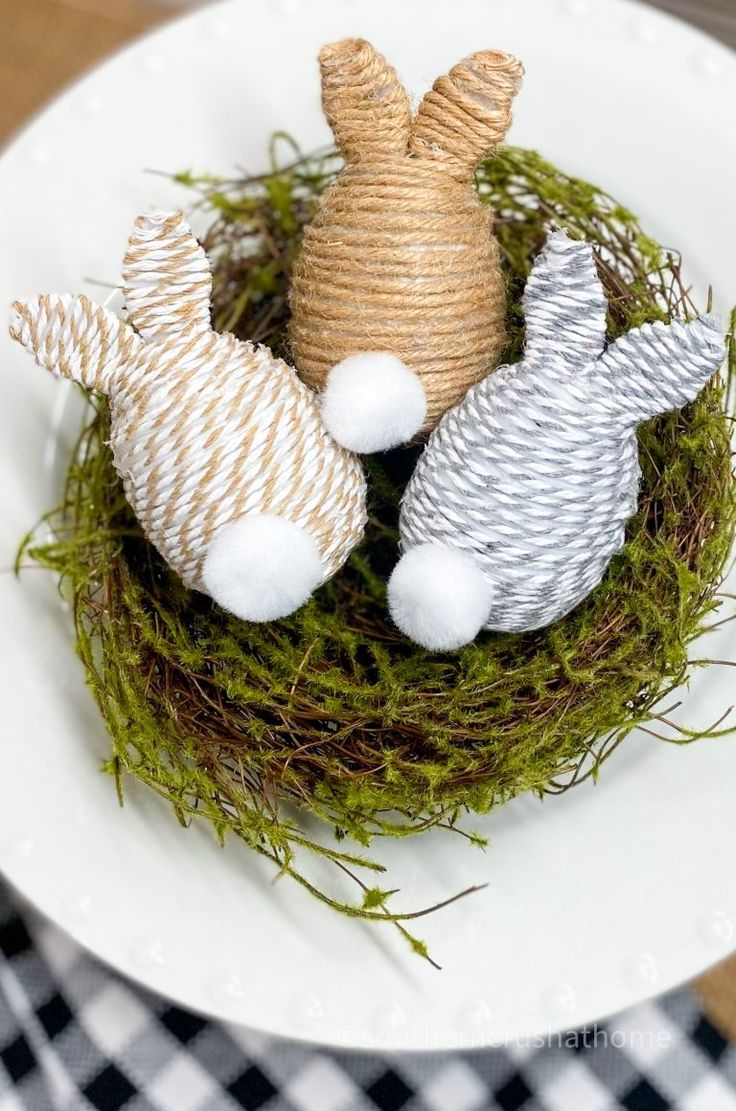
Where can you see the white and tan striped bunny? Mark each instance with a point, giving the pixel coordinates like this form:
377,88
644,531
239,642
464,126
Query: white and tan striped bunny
220,446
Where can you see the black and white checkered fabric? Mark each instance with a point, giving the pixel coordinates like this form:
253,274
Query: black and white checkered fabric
75,1036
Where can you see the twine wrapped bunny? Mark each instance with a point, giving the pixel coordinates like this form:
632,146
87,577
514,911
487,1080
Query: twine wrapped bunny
398,298
219,445
521,497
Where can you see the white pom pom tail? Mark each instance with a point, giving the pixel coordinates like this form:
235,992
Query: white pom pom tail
262,567
439,597
373,402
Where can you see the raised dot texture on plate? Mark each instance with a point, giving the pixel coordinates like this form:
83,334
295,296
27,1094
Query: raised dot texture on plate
475,1014
77,906
558,1001
148,952
229,990
716,929
641,969
307,1011
390,1016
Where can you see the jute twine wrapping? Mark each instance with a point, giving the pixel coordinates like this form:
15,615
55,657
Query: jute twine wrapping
536,472
205,429
401,255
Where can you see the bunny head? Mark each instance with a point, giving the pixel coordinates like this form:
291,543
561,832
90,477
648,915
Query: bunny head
397,296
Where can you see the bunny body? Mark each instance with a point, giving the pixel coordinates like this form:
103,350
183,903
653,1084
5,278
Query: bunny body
218,444
522,495
401,257
239,437
414,271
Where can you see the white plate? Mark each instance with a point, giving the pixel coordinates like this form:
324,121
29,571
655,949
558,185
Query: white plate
595,900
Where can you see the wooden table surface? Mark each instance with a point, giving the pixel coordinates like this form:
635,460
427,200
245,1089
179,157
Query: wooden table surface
44,44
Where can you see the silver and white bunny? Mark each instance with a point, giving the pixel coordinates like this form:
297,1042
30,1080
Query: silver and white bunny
521,496
220,446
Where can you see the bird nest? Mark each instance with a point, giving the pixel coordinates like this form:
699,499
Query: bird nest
332,710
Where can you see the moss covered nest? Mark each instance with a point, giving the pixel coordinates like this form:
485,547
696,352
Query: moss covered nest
332,709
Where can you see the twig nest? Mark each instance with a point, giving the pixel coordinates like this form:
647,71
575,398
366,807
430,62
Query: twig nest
334,708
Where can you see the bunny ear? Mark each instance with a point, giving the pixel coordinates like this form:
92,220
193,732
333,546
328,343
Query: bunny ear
658,368
74,337
364,102
167,281
564,303
466,114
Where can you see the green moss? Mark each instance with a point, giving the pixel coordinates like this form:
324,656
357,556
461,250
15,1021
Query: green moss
332,709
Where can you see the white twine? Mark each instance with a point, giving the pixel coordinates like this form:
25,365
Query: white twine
535,473
206,430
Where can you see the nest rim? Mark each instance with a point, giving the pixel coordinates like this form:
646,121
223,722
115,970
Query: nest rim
230,722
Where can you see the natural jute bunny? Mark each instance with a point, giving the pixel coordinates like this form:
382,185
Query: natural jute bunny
399,280
521,497
220,446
